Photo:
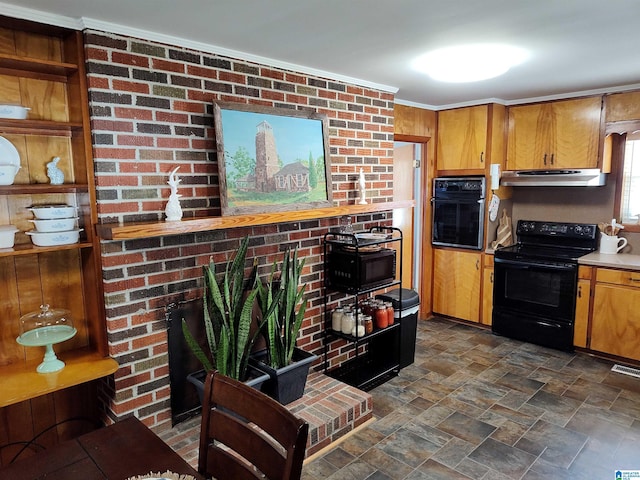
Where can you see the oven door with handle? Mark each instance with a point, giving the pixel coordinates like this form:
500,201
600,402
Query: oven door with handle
458,222
545,289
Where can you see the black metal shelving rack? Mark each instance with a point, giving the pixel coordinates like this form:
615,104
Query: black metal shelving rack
376,355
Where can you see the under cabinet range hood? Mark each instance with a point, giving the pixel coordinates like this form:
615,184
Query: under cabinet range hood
589,177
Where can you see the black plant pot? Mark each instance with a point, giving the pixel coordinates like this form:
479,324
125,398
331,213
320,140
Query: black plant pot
256,379
285,384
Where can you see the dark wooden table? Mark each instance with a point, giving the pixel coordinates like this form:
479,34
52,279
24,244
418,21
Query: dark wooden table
117,452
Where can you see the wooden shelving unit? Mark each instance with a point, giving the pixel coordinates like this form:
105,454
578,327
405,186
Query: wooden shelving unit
154,229
42,68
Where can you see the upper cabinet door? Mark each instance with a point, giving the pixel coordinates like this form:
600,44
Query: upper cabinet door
554,135
462,138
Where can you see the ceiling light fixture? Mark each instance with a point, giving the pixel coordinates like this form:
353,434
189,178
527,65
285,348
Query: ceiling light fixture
469,63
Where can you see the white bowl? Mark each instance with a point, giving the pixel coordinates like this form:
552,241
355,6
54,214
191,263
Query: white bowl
49,212
55,225
7,236
50,239
13,111
8,173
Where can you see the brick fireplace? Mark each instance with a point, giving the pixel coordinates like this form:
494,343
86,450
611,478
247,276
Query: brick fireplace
151,111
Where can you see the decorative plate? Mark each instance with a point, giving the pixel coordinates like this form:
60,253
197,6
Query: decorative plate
8,153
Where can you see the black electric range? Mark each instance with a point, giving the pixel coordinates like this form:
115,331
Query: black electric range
535,281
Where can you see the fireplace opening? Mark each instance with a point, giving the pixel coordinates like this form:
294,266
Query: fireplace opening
184,399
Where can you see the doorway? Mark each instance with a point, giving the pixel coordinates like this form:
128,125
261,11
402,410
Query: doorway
407,185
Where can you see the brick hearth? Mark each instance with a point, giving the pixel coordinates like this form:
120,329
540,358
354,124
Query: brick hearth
331,407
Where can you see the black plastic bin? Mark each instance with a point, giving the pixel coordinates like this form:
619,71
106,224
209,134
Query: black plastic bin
407,314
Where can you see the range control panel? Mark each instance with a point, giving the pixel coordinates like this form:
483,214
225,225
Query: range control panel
557,229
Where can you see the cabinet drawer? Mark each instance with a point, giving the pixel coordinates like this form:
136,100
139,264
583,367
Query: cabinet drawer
584,273
618,277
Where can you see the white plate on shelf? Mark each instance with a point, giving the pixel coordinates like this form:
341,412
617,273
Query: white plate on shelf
8,153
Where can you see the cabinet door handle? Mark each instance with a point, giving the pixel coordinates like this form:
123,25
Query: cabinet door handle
477,264
580,291
632,279
491,278
552,158
481,157
544,159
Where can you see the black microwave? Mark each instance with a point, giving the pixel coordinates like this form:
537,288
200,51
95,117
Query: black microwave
362,270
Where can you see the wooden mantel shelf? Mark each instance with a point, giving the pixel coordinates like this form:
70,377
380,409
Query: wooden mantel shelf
132,231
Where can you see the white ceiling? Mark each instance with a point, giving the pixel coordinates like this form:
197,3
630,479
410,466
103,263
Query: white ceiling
577,46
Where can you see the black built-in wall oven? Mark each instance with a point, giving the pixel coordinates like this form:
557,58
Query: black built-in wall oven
535,282
458,212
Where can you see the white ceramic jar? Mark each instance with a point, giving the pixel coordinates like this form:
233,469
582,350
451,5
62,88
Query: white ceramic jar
7,236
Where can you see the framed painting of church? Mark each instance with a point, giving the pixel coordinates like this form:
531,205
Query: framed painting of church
271,159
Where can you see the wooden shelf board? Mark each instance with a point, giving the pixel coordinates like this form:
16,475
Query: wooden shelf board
155,229
42,188
38,127
30,249
36,66
22,382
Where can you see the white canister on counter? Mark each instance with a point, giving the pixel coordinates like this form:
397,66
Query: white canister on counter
336,319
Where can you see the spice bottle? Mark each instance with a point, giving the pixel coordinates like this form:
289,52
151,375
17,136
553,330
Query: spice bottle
368,324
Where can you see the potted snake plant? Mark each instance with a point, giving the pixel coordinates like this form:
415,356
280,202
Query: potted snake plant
228,303
283,306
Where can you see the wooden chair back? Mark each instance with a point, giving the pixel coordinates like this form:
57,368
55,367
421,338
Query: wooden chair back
247,435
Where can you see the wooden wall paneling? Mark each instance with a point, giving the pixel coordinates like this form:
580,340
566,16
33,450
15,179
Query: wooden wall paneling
7,42
43,47
29,294
93,301
43,414
41,150
5,214
76,410
10,351
76,160
61,277
19,215
414,122
47,99
10,90
15,426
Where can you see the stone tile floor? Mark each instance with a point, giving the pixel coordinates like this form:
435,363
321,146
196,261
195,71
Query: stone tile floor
482,407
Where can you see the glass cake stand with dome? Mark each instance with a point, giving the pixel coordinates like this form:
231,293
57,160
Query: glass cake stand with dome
45,328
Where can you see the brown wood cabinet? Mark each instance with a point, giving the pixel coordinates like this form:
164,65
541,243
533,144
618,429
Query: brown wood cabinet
462,138
42,68
615,323
554,135
487,290
583,297
622,107
456,283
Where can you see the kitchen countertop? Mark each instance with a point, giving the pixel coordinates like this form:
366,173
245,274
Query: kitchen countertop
614,260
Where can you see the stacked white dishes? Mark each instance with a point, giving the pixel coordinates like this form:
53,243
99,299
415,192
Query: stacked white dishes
54,225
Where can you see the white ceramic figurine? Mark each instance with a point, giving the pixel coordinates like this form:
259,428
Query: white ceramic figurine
56,176
173,210
361,189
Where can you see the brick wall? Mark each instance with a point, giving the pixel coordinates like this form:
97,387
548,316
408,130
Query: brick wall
151,110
